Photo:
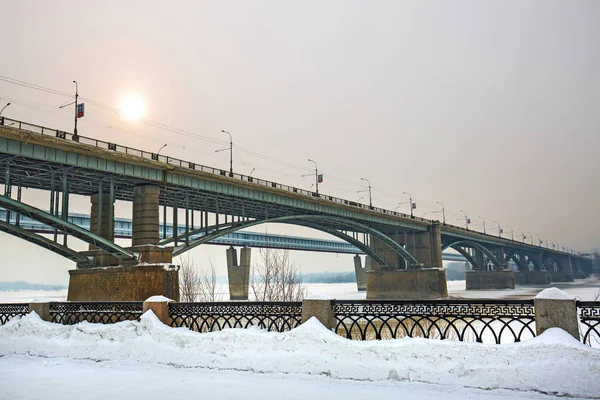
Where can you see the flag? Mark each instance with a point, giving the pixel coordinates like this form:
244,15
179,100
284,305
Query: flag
80,110
320,178
414,206
501,230
468,220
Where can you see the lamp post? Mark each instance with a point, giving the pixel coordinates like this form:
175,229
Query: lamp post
158,152
483,221
530,238
7,104
512,233
443,213
522,235
369,190
410,202
499,228
75,136
466,219
230,152
316,175
250,176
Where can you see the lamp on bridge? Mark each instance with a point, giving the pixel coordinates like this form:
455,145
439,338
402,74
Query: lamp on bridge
410,202
250,176
443,213
230,152
467,220
369,190
483,222
499,229
3,108
318,178
512,233
158,152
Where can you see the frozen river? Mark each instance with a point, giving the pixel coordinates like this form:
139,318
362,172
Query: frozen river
587,289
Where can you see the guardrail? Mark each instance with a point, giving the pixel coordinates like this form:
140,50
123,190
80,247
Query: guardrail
101,144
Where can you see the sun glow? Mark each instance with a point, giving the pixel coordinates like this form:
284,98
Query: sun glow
132,107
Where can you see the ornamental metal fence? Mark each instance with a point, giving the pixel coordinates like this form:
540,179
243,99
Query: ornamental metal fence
589,322
212,317
485,321
9,311
71,313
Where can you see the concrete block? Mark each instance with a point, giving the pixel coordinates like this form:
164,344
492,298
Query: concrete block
123,283
532,278
361,274
483,280
320,309
418,284
160,309
41,309
551,313
560,276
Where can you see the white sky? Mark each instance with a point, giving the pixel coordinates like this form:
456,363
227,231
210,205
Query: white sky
488,107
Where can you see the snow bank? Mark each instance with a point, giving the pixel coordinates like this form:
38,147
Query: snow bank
157,299
553,363
553,294
318,296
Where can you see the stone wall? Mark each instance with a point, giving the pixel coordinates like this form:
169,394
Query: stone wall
123,283
482,280
418,284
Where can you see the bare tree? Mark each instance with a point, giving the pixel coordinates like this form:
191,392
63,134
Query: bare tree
207,285
188,280
275,278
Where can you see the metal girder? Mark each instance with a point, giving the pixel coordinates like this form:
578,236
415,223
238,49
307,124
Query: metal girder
41,241
67,227
477,246
466,255
300,219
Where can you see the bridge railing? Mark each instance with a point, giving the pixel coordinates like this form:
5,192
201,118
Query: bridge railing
484,321
476,320
212,317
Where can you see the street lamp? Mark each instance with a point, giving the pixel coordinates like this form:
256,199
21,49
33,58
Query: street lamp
443,212
158,152
7,104
530,238
230,152
512,233
410,202
250,176
316,176
499,228
369,190
522,235
483,220
466,219
75,136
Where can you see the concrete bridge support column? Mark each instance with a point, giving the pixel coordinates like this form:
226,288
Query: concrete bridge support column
361,273
102,216
501,256
238,275
145,215
484,279
428,282
565,270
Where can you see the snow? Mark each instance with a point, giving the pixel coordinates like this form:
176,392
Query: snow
157,299
318,296
41,300
554,294
150,360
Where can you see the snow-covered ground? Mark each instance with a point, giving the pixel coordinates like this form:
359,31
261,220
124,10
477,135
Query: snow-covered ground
41,360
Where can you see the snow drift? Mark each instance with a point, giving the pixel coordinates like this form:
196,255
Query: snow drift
554,363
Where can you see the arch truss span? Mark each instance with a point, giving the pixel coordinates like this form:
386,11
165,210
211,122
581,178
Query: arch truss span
41,241
319,222
477,246
67,227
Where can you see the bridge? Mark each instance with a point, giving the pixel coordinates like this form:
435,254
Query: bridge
406,251
123,230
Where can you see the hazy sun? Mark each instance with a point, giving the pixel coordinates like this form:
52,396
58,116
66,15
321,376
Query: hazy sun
132,106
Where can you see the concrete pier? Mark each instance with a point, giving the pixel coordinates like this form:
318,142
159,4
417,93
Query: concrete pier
238,275
145,215
532,278
483,280
561,276
417,284
361,273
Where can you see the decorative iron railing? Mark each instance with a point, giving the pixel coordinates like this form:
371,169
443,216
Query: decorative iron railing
211,317
97,312
484,321
8,311
589,322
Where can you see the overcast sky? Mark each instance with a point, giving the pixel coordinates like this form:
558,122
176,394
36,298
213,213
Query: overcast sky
490,107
